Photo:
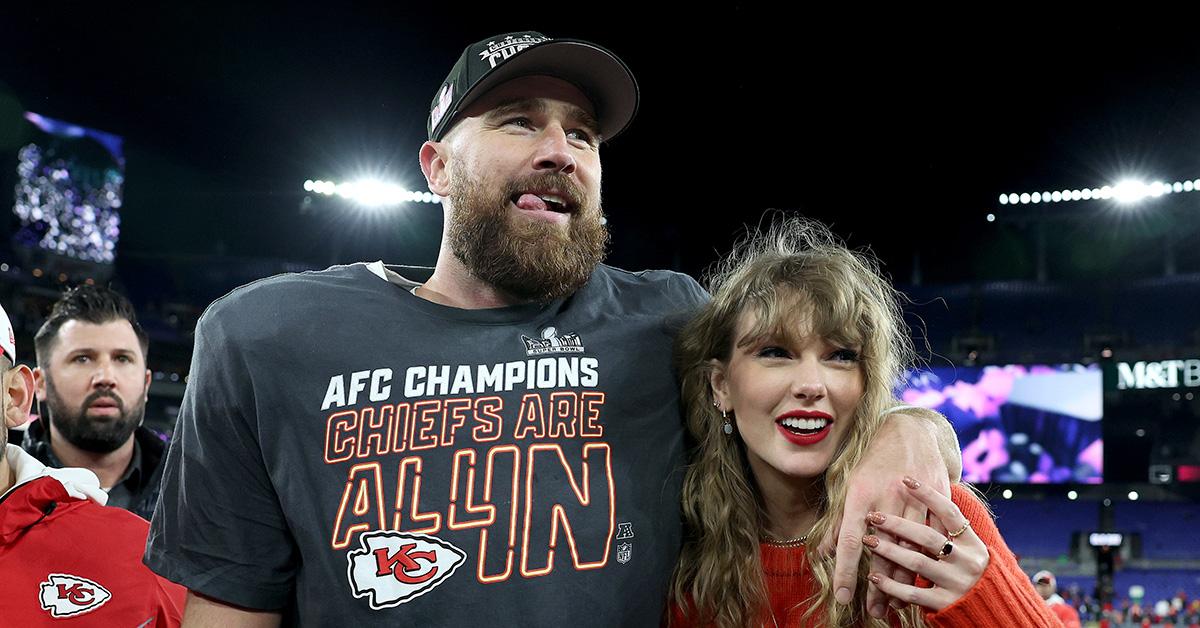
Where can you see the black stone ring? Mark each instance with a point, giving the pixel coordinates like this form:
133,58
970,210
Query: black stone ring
946,550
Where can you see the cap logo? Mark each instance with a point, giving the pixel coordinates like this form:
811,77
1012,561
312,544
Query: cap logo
444,100
497,52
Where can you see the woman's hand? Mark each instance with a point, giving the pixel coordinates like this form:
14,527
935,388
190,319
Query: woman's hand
953,562
904,444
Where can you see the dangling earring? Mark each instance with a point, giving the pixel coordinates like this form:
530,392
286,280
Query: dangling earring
727,427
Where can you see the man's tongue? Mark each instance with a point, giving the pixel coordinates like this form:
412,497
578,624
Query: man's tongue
532,202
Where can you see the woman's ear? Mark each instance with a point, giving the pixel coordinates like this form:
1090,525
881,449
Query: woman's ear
719,385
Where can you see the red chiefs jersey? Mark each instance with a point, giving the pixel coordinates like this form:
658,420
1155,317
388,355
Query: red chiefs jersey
69,561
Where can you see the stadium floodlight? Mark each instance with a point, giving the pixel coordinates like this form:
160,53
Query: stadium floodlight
1125,192
370,192
1130,191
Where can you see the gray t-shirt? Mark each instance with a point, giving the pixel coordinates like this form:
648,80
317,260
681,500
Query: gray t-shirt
354,455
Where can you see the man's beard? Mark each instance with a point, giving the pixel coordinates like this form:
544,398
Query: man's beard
89,434
531,260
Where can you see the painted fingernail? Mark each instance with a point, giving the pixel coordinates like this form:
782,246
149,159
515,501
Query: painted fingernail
875,579
871,540
878,610
911,483
842,596
876,518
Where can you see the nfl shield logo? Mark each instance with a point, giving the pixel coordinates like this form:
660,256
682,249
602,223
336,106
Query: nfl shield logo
624,552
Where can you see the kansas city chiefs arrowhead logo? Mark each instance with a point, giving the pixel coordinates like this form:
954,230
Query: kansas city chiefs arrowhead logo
395,567
67,596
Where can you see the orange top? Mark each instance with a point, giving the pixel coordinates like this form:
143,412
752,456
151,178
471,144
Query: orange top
1002,597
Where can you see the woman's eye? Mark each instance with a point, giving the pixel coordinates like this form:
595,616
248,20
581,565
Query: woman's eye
844,355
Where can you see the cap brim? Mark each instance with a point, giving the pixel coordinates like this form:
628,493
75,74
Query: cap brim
603,78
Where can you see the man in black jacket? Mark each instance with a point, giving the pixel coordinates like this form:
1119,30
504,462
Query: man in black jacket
93,379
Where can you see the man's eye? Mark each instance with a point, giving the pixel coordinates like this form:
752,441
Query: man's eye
581,135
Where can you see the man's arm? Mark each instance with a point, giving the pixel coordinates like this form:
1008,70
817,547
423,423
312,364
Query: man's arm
204,612
943,434
219,527
915,443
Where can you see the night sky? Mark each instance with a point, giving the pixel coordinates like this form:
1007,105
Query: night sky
899,129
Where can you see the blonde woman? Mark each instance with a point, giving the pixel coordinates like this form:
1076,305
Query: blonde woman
787,374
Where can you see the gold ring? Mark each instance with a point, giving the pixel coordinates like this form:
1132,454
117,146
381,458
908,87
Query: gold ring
946,550
954,534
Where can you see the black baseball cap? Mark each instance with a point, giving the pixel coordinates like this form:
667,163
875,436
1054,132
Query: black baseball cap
598,73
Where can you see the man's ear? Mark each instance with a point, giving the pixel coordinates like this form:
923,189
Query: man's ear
39,383
18,384
434,158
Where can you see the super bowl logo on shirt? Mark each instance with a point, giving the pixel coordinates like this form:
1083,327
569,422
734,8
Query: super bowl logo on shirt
64,595
392,568
551,342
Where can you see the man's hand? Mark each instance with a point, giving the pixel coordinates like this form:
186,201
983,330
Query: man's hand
910,443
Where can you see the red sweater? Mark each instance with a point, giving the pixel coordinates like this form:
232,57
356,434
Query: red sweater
1002,597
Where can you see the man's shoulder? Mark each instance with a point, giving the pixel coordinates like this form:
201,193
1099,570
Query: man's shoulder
65,509
673,287
641,277
119,525
153,445
293,284
86,542
272,301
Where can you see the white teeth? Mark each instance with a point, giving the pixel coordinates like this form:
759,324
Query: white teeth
804,424
550,198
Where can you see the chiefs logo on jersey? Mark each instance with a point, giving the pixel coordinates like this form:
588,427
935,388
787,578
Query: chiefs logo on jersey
392,568
65,595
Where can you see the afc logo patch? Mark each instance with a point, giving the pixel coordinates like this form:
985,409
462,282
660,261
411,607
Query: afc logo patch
392,567
64,595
